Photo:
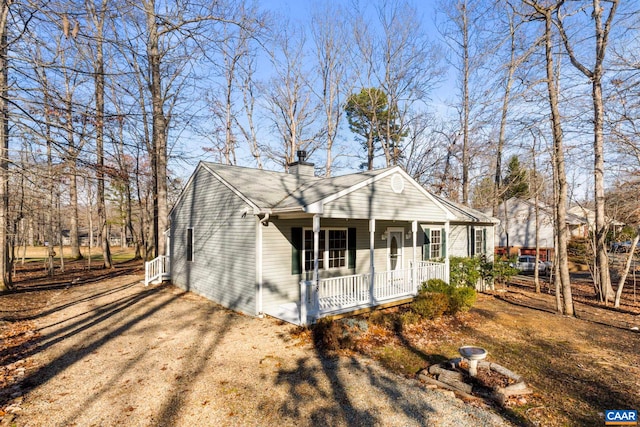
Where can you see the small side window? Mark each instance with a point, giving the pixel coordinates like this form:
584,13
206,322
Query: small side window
479,242
190,244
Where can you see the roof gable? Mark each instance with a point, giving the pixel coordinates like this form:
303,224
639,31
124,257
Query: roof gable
270,191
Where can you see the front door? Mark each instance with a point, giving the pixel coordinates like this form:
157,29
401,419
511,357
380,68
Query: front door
395,244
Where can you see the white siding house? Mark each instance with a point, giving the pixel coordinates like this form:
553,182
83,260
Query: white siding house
298,247
516,234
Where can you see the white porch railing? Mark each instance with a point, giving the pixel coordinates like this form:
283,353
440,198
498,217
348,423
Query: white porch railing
428,270
157,270
347,293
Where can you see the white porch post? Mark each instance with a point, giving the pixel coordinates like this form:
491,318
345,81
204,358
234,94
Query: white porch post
316,247
372,269
303,302
446,258
414,234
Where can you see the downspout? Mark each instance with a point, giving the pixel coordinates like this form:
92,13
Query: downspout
259,278
265,220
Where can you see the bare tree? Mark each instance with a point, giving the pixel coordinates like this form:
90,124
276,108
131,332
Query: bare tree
5,268
98,16
328,27
602,26
293,110
516,59
408,67
235,51
461,34
249,89
546,13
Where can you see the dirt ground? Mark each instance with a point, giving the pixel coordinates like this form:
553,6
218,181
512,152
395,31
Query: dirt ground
99,349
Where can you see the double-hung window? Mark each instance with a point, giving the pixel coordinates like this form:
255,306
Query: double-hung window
436,244
332,249
479,241
308,249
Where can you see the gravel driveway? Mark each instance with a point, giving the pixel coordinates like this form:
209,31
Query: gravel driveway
113,352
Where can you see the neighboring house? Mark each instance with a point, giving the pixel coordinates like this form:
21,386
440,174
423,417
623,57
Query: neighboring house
590,216
83,238
298,247
516,234
472,232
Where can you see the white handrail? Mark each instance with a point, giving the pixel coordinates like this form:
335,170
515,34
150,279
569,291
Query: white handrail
335,294
157,268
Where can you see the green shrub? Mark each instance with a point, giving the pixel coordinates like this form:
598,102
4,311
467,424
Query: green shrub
430,305
434,285
503,270
436,297
461,299
465,271
408,317
578,247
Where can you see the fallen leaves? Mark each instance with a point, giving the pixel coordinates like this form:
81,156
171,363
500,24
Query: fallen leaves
16,341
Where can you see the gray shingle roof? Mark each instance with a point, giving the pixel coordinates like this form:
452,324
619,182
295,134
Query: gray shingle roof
281,190
270,190
465,214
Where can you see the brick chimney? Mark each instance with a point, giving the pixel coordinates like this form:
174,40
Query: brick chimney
301,167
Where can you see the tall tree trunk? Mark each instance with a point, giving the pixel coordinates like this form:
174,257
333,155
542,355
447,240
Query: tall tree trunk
5,267
73,182
48,215
559,166
73,227
602,31
159,132
602,258
99,18
465,104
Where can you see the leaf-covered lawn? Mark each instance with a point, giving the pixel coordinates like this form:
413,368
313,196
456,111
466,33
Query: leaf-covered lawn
578,368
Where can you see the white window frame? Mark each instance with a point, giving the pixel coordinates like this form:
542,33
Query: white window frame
478,239
324,252
190,244
432,245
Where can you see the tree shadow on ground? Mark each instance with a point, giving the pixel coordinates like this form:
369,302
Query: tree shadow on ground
569,369
97,319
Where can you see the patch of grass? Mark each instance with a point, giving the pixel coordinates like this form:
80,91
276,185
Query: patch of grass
39,254
401,360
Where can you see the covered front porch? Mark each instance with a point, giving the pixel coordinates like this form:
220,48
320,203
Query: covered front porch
345,294
395,272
